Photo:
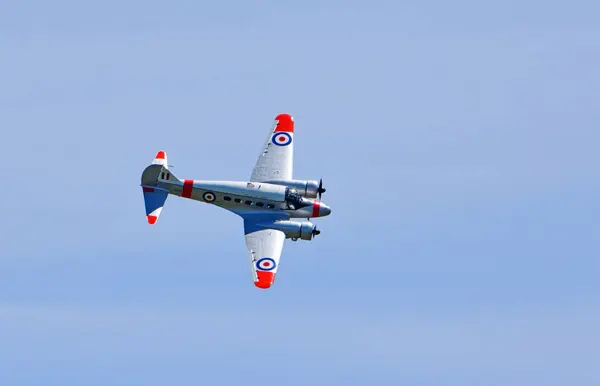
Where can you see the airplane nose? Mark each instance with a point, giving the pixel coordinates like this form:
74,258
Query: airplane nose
324,210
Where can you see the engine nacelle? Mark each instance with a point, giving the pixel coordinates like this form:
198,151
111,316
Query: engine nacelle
308,189
296,230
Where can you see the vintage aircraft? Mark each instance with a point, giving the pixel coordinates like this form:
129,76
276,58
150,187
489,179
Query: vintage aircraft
267,202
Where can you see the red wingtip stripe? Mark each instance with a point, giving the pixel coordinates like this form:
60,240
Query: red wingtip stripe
152,219
160,155
265,279
187,188
285,123
316,208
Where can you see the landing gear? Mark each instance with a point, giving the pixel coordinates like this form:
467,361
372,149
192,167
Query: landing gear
294,239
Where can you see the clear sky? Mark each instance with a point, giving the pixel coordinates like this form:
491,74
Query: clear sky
458,142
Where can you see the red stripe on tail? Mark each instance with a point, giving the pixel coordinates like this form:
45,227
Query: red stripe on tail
187,188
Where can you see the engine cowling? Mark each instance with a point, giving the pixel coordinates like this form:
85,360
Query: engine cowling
304,230
308,189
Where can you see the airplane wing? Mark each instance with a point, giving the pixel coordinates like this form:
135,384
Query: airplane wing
264,248
276,160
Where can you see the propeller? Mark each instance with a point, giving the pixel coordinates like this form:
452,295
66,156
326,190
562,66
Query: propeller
315,231
320,190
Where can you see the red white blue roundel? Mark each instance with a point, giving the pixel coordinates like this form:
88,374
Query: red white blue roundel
281,139
209,196
266,264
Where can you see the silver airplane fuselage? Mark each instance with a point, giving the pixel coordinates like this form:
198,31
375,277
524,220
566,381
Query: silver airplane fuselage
243,197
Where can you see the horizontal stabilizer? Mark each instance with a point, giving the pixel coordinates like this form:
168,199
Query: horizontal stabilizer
154,200
160,159
153,179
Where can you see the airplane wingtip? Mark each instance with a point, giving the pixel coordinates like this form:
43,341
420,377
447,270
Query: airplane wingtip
265,279
285,123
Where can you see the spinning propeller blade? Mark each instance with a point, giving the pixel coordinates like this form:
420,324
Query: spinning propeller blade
315,231
320,190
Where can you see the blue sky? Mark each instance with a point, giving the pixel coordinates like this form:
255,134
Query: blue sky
458,142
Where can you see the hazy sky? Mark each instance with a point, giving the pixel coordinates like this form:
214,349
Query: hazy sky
458,142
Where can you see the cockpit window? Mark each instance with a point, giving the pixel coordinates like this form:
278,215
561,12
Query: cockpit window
294,200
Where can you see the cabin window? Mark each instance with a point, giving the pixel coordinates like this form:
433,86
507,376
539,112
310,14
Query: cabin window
248,202
237,200
260,204
270,206
226,198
